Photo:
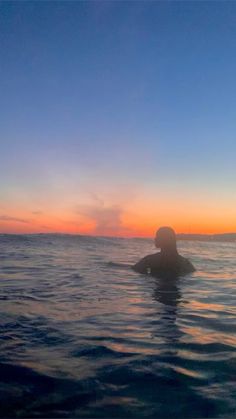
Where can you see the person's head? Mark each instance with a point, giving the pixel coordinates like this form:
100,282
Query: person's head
165,238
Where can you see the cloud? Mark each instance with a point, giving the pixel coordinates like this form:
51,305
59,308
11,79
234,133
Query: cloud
96,198
37,212
108,219
106,209
8,218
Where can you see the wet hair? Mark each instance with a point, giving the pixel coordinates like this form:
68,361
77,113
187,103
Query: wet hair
165,237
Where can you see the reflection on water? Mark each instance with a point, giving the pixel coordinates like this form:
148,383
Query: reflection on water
84,335
167,293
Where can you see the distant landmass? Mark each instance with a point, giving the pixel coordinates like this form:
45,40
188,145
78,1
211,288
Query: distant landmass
226,237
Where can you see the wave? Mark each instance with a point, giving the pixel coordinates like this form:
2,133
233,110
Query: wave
83,335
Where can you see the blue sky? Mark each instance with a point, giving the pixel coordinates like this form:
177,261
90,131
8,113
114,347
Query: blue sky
118,93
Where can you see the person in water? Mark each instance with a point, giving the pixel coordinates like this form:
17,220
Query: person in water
167,262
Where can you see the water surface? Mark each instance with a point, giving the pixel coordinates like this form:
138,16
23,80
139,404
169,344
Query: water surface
84,335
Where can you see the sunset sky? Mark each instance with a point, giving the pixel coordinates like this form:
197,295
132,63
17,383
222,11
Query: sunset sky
117,117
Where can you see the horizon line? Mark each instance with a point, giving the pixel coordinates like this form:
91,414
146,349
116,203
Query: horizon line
117,237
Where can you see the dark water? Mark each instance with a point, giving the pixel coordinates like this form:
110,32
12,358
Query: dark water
83,335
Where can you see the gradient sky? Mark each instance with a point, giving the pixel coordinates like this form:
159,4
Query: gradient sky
117,117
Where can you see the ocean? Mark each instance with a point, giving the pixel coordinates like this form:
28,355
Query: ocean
83,335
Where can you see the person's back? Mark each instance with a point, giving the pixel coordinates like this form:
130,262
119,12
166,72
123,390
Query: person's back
167,262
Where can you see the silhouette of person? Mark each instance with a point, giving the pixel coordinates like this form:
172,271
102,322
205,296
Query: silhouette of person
167,262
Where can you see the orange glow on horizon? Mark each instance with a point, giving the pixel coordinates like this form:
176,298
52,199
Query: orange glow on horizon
137,221
134,229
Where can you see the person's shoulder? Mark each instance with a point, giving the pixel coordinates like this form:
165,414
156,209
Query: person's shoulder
187,265
150,258
153,256
145,263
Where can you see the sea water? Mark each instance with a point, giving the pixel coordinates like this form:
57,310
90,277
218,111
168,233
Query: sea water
82,334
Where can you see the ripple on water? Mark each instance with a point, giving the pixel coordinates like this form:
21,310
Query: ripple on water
82,335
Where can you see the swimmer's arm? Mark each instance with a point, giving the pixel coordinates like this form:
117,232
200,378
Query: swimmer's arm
141,266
